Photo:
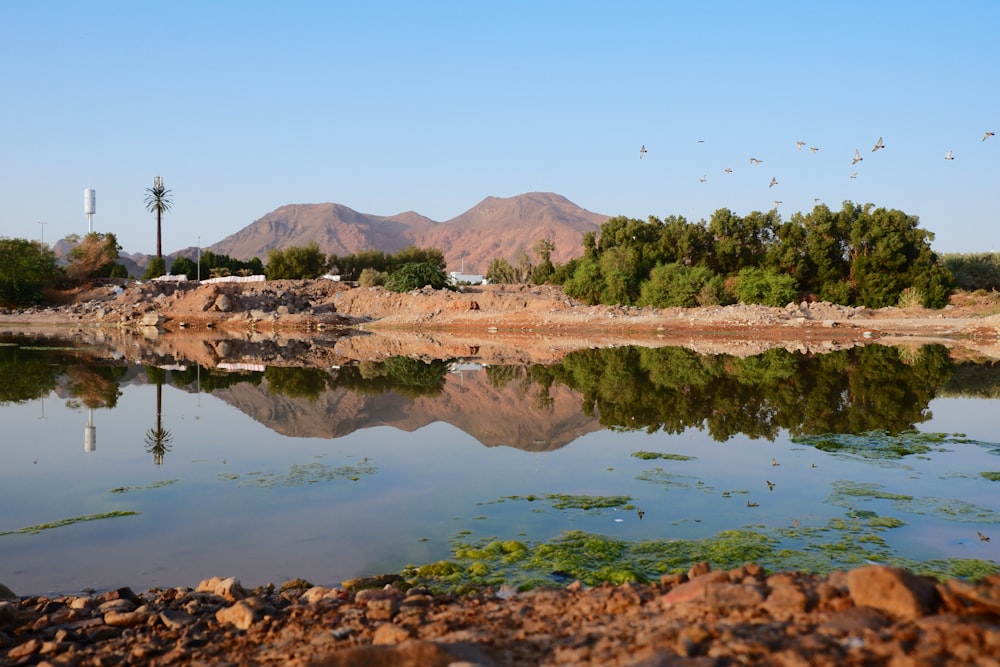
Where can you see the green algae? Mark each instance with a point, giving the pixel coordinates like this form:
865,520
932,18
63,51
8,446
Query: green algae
880,445
992,476
950,509
561,501
669,480
650,456
34,530
154,485
304,474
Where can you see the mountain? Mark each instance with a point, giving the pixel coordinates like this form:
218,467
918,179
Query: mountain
496,227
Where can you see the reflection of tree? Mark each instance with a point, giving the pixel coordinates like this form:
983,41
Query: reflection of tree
407,377
296,382
158,439
95,386
25,374
673,389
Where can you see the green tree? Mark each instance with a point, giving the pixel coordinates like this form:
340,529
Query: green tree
414,255
416,275
544,247
158,201
765,286
889,253
296,263
26,269
500,272
674,285
157,267
620,269
587,282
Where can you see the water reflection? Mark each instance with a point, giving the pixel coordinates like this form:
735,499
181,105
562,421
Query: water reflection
385,467
158,438
669,389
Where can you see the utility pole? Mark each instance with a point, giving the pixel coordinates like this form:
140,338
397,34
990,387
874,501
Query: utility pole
42,239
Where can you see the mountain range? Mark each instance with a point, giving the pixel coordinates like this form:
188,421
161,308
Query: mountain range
494,228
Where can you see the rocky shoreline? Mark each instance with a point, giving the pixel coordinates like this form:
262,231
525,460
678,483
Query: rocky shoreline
745,616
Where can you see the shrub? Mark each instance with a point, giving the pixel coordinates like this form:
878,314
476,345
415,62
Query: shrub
157,267
415,275
26,269
765,286
674,284
371,277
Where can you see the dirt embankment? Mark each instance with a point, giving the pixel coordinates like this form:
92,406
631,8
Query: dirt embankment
497,323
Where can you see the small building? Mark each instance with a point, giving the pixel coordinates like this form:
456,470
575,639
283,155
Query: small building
456,278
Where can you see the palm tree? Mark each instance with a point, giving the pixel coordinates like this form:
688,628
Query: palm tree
158,200
157,439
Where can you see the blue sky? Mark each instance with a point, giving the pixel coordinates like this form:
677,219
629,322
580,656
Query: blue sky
386,107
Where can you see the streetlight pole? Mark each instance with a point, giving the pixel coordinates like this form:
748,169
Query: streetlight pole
198,276
42,239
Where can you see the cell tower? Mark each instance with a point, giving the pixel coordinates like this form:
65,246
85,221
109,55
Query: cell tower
90,207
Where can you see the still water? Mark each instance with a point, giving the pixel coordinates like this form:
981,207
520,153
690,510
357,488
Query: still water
154,476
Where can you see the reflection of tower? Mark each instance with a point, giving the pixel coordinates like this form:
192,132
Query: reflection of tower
90,207
90,433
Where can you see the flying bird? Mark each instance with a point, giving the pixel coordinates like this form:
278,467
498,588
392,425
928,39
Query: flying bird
774,462
982,537
774,181
816,200
857,157
753,504
642,151
854,175
728,170
770,485
703,178
813,149
949,156
878,145
988,135
800,144
754,160
777,203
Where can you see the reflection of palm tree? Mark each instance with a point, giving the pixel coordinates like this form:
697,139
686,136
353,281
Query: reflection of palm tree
157,439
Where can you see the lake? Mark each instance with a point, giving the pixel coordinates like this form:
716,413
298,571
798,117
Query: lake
620,463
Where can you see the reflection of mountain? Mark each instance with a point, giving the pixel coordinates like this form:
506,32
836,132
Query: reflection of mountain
492,416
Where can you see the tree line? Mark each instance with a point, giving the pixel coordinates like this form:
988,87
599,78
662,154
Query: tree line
858,255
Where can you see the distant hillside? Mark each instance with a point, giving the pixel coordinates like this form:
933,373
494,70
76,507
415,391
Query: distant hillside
496,227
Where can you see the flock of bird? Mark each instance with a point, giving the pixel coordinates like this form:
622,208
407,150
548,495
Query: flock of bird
879,145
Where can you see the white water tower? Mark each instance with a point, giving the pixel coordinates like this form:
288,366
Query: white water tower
90,207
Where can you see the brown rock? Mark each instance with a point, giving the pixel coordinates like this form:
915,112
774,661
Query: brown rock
410,654
228,588
389,633
241,614
897,592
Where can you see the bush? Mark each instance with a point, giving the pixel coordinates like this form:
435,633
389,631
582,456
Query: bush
295,263
157,267
765,286
671,285
26,269
416,275
371,277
